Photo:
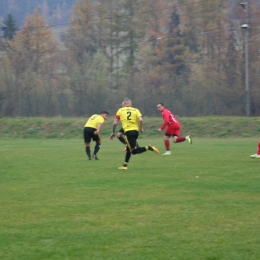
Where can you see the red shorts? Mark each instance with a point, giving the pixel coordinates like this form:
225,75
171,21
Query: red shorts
172,130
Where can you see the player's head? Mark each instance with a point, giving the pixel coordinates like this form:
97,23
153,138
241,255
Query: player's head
127,102
160,106
104,114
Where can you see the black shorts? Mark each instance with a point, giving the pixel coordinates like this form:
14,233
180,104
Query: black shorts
121,131
89,134
131,139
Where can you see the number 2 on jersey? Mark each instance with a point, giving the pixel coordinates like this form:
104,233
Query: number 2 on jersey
129,115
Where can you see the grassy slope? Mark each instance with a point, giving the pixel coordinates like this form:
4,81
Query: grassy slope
72,127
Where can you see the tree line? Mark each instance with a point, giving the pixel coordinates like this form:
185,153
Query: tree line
57,11
189,55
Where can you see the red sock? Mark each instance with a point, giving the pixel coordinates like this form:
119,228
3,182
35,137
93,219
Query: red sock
180,139
258,146
167,145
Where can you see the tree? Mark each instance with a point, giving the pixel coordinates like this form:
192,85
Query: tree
132,30
33,58
9,28
89,84
33,45
82,35
174,56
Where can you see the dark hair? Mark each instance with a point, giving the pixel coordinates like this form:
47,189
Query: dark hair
104,112
161,104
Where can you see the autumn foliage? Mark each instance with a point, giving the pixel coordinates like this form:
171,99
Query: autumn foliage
189,55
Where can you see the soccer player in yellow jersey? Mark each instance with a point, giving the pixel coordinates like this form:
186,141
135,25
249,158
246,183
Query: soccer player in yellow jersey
91,131
132,123
120,135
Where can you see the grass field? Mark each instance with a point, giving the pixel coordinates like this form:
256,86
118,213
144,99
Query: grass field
202,202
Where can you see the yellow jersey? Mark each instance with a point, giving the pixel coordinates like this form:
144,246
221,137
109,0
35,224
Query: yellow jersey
94,120
129,118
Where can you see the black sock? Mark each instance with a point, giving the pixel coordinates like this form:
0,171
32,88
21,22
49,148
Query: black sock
97,147
88,151
127,156
139,150
122,139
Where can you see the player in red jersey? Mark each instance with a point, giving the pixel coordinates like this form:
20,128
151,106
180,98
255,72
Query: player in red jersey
173,128
257,155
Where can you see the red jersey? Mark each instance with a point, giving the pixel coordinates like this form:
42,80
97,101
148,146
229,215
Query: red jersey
169,119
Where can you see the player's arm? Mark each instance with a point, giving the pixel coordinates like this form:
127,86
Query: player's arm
140,119
114,127
166,117
98,128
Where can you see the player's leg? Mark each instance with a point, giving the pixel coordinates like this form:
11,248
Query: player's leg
96,138
166,138
120,137
179,139
87,139
88,150
176,130
131,137
176,135
135,148
257,155
127,155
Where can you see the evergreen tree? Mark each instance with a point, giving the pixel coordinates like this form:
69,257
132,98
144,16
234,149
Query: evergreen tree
9,28
82,35
175,46
175,56
33,45
132,30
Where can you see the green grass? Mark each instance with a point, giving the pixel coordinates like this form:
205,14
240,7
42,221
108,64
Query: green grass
67,128
202,202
